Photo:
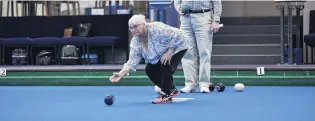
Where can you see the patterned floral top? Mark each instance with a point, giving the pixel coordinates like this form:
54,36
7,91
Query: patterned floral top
161,37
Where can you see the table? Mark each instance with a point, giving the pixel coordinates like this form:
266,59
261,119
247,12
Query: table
132,103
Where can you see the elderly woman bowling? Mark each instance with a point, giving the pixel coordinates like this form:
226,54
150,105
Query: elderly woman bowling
162,47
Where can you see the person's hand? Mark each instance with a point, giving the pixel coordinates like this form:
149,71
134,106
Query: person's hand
115,77
215,27
184,14
166,58
181,13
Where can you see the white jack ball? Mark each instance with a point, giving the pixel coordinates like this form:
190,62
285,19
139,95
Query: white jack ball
239,87
157,89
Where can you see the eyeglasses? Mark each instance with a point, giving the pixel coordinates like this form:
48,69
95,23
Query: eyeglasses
134,27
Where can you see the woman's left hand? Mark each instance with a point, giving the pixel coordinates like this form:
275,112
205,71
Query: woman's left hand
166,58
215,27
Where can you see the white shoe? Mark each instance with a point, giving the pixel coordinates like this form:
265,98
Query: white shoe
204,90
188,89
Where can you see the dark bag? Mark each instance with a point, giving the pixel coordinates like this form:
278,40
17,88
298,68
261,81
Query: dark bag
19,56
69,51
69,55
43,58
84,29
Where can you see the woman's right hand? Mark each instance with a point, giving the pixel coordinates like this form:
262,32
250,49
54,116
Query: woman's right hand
115,77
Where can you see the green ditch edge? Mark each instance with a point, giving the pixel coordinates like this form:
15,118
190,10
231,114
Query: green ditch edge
101,78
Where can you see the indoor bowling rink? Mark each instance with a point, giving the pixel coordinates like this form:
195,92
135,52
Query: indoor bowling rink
64,103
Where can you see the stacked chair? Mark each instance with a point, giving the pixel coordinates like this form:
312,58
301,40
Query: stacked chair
309,39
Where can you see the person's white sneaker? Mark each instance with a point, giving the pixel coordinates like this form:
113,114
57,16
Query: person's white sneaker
204,90
188,89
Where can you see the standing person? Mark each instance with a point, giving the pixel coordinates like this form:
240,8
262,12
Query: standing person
200,22
163,47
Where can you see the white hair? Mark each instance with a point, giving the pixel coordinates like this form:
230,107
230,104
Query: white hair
136,20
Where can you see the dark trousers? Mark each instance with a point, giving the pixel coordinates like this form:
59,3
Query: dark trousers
162,75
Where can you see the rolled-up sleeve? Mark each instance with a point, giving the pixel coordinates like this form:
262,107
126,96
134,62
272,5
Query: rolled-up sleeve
134,56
